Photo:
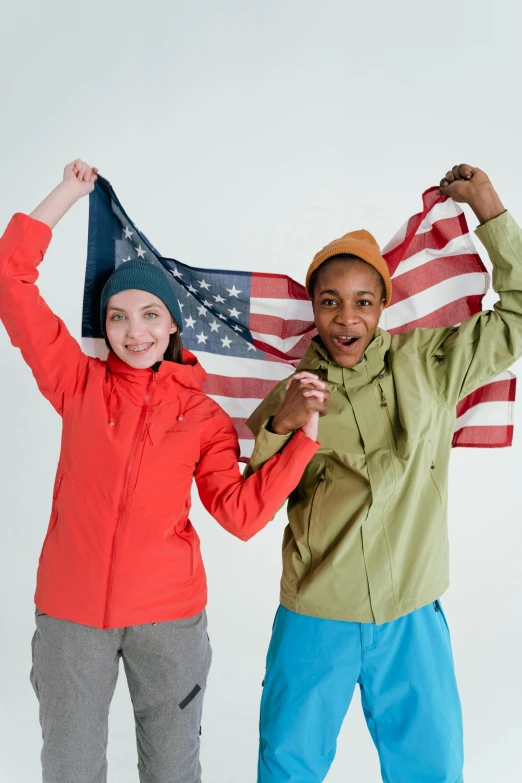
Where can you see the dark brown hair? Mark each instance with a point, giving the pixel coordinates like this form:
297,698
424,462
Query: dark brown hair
174,352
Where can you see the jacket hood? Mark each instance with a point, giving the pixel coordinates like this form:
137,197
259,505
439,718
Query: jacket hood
371,365
190,374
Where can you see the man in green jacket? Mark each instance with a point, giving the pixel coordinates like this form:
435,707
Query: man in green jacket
365,553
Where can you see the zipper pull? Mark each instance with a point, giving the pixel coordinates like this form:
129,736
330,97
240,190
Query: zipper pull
58,485
384,402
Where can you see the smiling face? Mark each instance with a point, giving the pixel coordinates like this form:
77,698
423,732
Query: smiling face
138,327
348,299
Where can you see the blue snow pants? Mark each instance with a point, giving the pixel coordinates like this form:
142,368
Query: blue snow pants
409,695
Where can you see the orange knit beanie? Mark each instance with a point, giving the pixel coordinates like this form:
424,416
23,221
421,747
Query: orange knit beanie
356,243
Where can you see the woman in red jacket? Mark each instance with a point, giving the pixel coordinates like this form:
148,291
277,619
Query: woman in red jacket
120,573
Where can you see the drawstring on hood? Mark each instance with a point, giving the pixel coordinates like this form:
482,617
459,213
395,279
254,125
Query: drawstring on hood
172,378
111,420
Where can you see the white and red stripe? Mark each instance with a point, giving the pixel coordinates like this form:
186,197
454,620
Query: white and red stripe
439,280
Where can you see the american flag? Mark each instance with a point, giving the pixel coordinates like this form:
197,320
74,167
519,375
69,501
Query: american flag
250,330
439,280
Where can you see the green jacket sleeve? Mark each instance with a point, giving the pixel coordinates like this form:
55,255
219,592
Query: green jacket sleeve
457,360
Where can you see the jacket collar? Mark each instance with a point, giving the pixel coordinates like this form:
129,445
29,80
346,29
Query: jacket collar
189,374
373,363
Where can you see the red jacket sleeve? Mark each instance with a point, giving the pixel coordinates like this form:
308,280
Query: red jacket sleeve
53,355
244,506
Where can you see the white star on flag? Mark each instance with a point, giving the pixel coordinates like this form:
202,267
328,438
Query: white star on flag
276,320
126,259
233,291
181,306
202,310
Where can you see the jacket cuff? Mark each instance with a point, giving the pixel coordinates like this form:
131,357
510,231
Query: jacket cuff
267,444
299,451
502,238
488,232
305,445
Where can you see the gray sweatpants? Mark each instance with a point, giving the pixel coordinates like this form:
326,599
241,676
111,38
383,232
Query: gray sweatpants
74,674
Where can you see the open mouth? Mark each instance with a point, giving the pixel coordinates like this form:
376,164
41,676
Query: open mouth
139,349
346,343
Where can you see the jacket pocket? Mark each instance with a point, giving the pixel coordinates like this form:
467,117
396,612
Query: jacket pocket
438,608
183,447
187,542
186,537
432,475
54,513
314,511
144,441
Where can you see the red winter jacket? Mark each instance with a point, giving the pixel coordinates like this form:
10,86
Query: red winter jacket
120,549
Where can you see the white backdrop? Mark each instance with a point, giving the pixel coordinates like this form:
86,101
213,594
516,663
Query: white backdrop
247,135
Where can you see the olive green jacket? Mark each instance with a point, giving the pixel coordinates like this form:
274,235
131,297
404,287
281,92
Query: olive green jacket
367,534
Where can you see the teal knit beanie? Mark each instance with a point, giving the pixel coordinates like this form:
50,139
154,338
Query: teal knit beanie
143,276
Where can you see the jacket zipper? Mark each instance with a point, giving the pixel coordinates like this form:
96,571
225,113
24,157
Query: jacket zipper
143,444
123,499
432,477
189,541
435,483
384,404
62,475
186,539
191,572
